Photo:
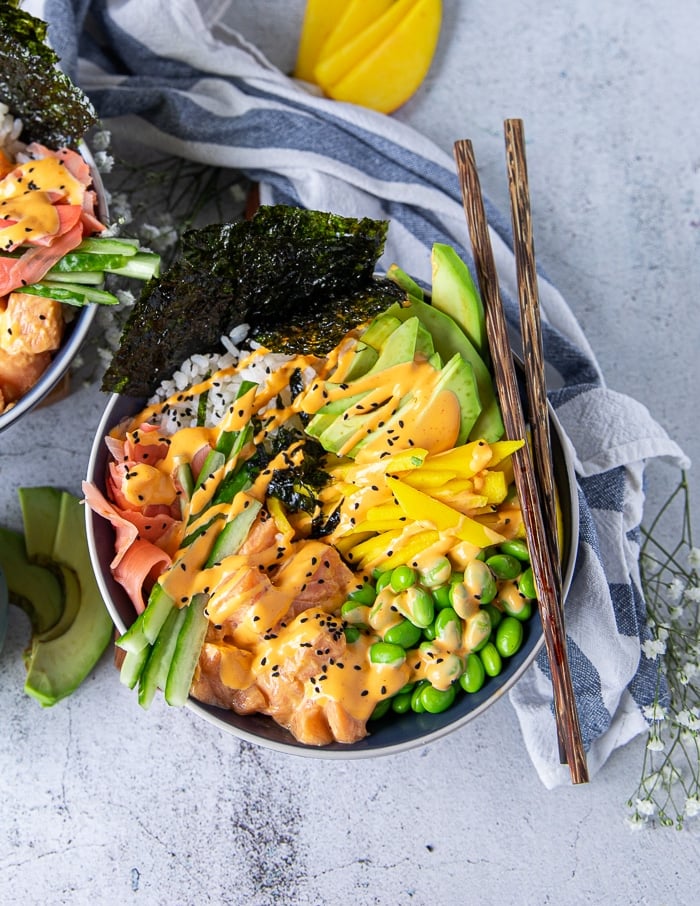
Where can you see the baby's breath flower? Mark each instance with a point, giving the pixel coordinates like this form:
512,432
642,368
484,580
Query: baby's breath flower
692,806
103,161
669,789
101,140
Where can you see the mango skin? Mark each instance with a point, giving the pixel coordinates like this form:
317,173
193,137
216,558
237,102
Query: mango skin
391,73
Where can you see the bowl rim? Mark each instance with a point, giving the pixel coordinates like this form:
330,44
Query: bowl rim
78,328
281,740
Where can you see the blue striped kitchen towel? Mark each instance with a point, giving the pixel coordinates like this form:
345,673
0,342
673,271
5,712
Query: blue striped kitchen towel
172,72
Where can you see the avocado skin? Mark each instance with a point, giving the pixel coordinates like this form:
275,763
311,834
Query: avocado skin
32,587
40,511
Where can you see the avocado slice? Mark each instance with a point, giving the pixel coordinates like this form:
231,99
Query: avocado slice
449,339
407,283
458,377
58,665
40,510
455,294
35,589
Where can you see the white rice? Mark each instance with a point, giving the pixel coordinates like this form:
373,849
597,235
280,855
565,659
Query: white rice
10,131
199,367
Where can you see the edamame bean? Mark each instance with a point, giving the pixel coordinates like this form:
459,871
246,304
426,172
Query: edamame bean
380,709
429,631
486,552
474,674
437,700
448,628
441,596
401,702
477,631
417,605
363,595
355,613
403,577
516,547
525,611
416,703
491,659
503,566
509,636
383,579
480,582
352,634
437,573
526,584
404,634
494,614
386,653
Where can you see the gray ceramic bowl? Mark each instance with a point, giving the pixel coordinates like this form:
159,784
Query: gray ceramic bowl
4,607
393,733
75,335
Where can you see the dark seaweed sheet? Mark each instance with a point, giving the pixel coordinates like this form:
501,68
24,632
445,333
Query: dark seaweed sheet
52,109
300,278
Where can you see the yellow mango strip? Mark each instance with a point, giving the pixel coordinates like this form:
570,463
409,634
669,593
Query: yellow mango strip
503,448
331,69
320,18
379,525
467,460
428,478
387,76
492,485
373,547
346,543
422,507
358,15
385,511
276,510
466,502
410,549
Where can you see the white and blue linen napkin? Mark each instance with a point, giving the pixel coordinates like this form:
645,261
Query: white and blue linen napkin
159,70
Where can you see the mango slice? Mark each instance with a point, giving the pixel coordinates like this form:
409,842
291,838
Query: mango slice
320,18
383,74
358,15
333,67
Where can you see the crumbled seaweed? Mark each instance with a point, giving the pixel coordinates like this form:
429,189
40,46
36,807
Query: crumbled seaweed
52,109
299,278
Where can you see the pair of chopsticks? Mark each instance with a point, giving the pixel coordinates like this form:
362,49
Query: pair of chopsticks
533,470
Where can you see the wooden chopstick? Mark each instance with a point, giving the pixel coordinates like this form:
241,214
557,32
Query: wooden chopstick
566,714
533,352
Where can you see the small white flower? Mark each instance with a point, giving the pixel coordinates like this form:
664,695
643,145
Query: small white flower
104,162
675,611
636,822
652,648
693,594
692,806
688,717
101,140
676,587
654,712
694,558
662,633
125,296
655,743
645,806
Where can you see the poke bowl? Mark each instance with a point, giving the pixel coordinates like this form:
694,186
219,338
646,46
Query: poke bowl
378,583
73,332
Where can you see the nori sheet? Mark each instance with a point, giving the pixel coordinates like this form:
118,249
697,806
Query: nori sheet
300,278
53,110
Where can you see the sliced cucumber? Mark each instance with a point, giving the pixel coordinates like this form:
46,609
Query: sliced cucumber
71,293
233,534
154,675
187,650
132,666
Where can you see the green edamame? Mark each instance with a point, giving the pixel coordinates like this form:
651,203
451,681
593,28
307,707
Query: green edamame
526,584
437,573
380,709
448,628
474,674
416,703
509,636
417,605
435,701
404,634
402,577
480,582
525,611
494,613
352,634
355,613
516,547
401,702
363,595
503,566
491,659
383,579
386,653
441,596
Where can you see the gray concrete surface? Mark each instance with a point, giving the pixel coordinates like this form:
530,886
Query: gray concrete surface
102,803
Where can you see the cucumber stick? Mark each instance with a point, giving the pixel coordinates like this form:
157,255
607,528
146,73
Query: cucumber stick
188,646
155,671
144,630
